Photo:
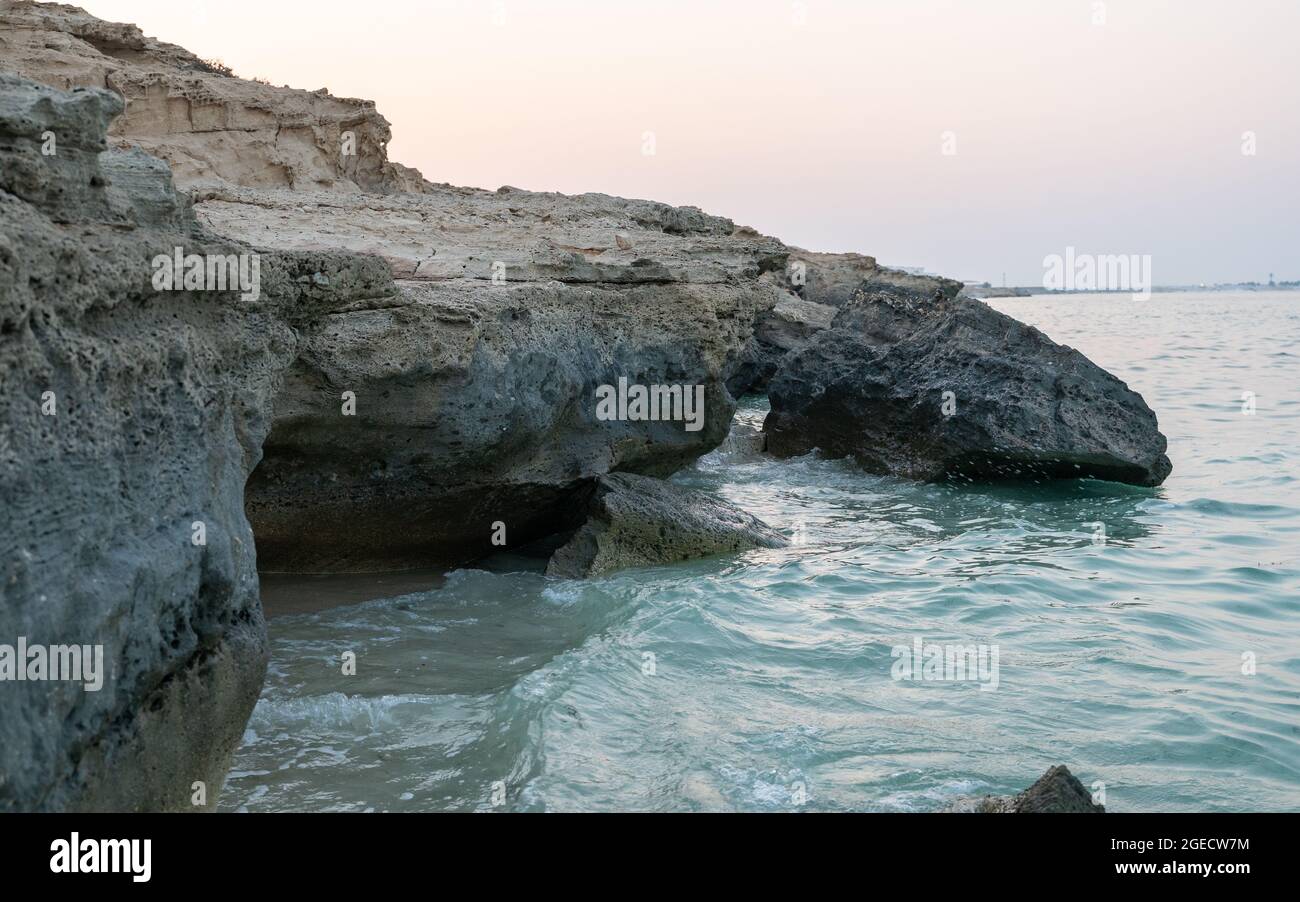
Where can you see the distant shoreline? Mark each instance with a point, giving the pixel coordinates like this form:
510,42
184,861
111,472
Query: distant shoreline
1020,291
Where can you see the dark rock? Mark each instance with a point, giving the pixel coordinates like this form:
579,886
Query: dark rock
786,328
53,139
1056,792
874,387
159,404
637,521
815,286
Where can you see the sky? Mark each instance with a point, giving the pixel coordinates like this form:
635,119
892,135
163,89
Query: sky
973,139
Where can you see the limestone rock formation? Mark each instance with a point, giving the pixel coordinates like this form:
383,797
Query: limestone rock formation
637,521
1056,792
476,384
210,126
475,405
474,375
390,410
507,236
933,387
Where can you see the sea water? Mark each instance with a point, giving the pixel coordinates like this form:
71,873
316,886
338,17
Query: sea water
1157,656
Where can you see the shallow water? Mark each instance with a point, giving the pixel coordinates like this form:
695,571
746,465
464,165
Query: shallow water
763,681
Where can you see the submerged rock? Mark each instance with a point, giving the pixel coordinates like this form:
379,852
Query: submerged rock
931,387
1056,792
637,521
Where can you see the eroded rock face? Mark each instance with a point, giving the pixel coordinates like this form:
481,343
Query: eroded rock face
129,416
932,387
209,126
475,386
1056,792
132,418
638,521
786,328
476,405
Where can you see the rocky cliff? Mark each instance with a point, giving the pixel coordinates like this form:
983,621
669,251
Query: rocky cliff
472,383
131,419
415,379
400,421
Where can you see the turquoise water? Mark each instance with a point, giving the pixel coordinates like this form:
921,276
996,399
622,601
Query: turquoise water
769,687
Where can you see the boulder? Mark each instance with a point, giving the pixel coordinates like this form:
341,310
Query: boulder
1056,792
638,521
932,387
745,442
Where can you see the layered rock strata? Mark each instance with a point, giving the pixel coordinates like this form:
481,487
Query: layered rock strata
210,126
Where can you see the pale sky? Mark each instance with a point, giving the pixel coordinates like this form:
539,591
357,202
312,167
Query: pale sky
823,122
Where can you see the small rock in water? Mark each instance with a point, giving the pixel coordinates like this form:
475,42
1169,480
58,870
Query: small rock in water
1056,792
638,520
